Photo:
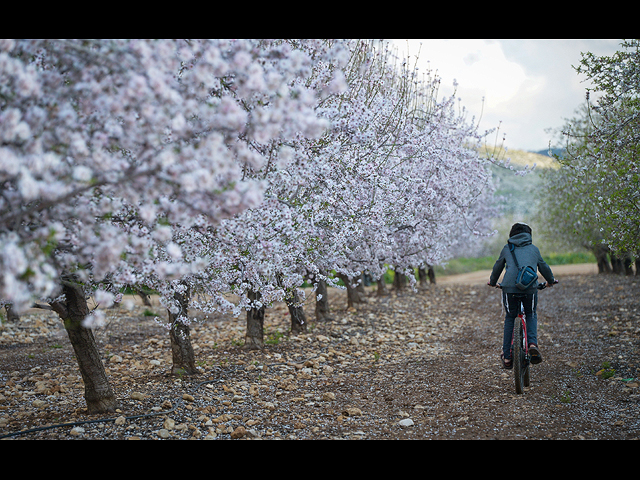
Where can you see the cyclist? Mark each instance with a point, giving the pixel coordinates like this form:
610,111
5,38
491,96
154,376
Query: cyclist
512,297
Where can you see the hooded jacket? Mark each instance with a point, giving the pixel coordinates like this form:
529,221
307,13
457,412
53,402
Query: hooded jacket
527,254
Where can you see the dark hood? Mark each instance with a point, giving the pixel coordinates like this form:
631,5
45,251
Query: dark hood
521,239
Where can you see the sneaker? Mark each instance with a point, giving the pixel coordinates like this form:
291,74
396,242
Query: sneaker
506,362
536,357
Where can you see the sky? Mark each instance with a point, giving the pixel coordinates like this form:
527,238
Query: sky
528,86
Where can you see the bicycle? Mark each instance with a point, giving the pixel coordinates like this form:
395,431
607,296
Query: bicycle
520,356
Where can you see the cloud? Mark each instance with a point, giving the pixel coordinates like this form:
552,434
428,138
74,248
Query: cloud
528,86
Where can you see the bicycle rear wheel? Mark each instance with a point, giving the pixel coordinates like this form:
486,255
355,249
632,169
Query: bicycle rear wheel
520,363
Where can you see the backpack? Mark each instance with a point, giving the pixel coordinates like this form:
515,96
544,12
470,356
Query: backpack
526,275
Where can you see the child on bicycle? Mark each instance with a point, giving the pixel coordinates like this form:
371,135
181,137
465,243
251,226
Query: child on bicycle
512,297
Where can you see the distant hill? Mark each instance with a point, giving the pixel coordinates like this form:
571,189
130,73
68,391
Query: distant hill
518,197
520,158
515,194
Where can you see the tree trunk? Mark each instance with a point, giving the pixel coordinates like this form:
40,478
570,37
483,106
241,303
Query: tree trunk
399,282
322,305
97,389
422,276
431,273
184,360
354,294
617,264
143,295
296,312
254,338
601,258
12,316
628,265
381,290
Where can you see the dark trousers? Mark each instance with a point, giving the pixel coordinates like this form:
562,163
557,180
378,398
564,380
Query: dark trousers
512,303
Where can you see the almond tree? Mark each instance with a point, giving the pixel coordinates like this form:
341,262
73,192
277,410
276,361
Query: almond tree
593,196
238,249
407,172
611,152
108,145
394,160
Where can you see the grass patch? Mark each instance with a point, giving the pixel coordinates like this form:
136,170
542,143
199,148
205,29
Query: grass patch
456,266
569,258
466,265
273,338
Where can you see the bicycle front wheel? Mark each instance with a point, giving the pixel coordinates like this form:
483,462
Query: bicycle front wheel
520,364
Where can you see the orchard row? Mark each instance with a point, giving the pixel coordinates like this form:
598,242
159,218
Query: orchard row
203,168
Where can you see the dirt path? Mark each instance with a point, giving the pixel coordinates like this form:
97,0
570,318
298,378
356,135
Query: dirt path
482,276
406,366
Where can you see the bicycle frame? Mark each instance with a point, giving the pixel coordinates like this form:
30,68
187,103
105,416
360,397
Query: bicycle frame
523,322
520,352
520,347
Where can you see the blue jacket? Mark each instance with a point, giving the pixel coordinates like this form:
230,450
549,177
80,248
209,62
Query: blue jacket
527,254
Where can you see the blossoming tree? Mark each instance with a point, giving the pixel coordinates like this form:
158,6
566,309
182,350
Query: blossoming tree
597,187
383,185
611,153
202,168
106,146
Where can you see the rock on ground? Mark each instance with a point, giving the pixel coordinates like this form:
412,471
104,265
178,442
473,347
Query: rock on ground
415,365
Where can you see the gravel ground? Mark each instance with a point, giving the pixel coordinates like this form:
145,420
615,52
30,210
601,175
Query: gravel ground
415,365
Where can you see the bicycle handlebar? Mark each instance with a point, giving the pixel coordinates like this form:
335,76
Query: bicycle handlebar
541,286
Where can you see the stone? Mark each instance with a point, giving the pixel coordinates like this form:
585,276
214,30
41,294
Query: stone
169,424
406,422
352,411
238,432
